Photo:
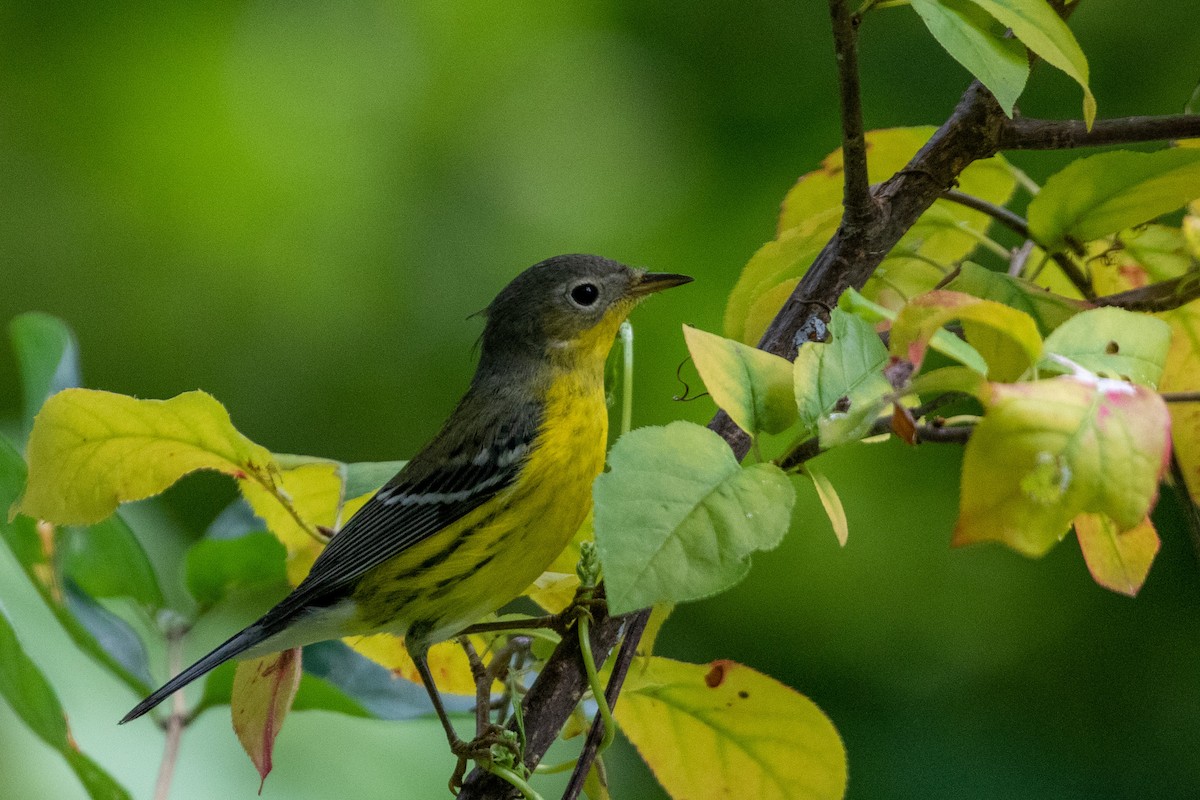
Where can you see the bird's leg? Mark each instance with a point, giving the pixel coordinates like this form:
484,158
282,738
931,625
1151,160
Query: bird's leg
479,748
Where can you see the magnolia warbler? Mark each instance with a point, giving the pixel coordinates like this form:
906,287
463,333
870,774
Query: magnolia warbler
480,512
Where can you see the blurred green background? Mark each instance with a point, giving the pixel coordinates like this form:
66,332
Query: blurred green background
295,206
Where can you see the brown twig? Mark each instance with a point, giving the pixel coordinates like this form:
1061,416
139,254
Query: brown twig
1180,397
1191,511
1027,133
857,201
1018,225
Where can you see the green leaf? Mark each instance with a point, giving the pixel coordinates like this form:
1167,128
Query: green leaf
1044,32
48,358
116,636
30,695
91,450
368,476
1106,193
22,536
841,377
677,517
1050,450
1112,342
216,567
974,40
831,503
107,560
1007,339
1118,561
752,386
725,730
1049,310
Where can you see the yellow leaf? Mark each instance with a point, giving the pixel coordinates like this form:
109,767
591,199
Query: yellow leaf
263,691
307,496
90,451
1117,560
724,730
447,661
752,386
1182,374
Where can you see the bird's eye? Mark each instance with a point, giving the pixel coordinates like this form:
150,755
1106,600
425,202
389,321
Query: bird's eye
585,294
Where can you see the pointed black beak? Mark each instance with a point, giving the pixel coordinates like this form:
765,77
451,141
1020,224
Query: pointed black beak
652,282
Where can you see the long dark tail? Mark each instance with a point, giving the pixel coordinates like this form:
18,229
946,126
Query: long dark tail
236,645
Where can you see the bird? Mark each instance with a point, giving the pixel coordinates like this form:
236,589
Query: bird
482,509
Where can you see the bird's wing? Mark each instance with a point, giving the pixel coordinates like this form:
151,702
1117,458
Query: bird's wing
431,492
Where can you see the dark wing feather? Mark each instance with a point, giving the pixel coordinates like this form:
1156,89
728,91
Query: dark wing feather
443,483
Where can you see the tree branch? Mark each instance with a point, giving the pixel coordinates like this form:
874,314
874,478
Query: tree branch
1162,296
856,195
178,719
1027,133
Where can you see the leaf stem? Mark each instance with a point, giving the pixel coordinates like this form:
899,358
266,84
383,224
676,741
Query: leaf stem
178,719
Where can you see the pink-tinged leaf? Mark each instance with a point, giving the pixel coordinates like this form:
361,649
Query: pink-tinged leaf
1118,561
263,691
1007,339
1048,451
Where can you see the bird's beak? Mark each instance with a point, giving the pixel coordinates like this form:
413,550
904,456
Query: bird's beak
652,282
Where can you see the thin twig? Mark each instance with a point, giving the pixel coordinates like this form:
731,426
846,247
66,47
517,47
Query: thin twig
633,634
1018,225
178,719
1009,219
1180,397
1028,133
856,196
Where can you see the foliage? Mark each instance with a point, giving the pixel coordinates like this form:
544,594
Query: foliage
1054,391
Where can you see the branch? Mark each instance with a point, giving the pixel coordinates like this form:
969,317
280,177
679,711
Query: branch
633,633
176,721
1191,511
1162,296
1017,224
856,196
1027,133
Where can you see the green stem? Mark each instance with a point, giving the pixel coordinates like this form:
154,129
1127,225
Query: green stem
589,664
513,779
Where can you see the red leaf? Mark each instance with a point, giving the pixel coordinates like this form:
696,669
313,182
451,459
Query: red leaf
263,690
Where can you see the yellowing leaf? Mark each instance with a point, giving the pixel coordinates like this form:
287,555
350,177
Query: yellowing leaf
1044,32
785,258
752,386
1118,561
1049,450
763,310
304,497
1007,339
91,450
447,661
1048,309
1109,192
831,503
1182,374
263,690
723,730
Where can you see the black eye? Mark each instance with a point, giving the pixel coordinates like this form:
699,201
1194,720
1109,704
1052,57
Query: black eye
585,294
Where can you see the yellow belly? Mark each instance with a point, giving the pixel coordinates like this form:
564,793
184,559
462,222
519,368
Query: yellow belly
476,565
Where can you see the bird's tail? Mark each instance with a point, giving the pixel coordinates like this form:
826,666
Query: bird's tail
236,645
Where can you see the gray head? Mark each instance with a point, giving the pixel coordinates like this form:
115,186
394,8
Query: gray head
567,305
